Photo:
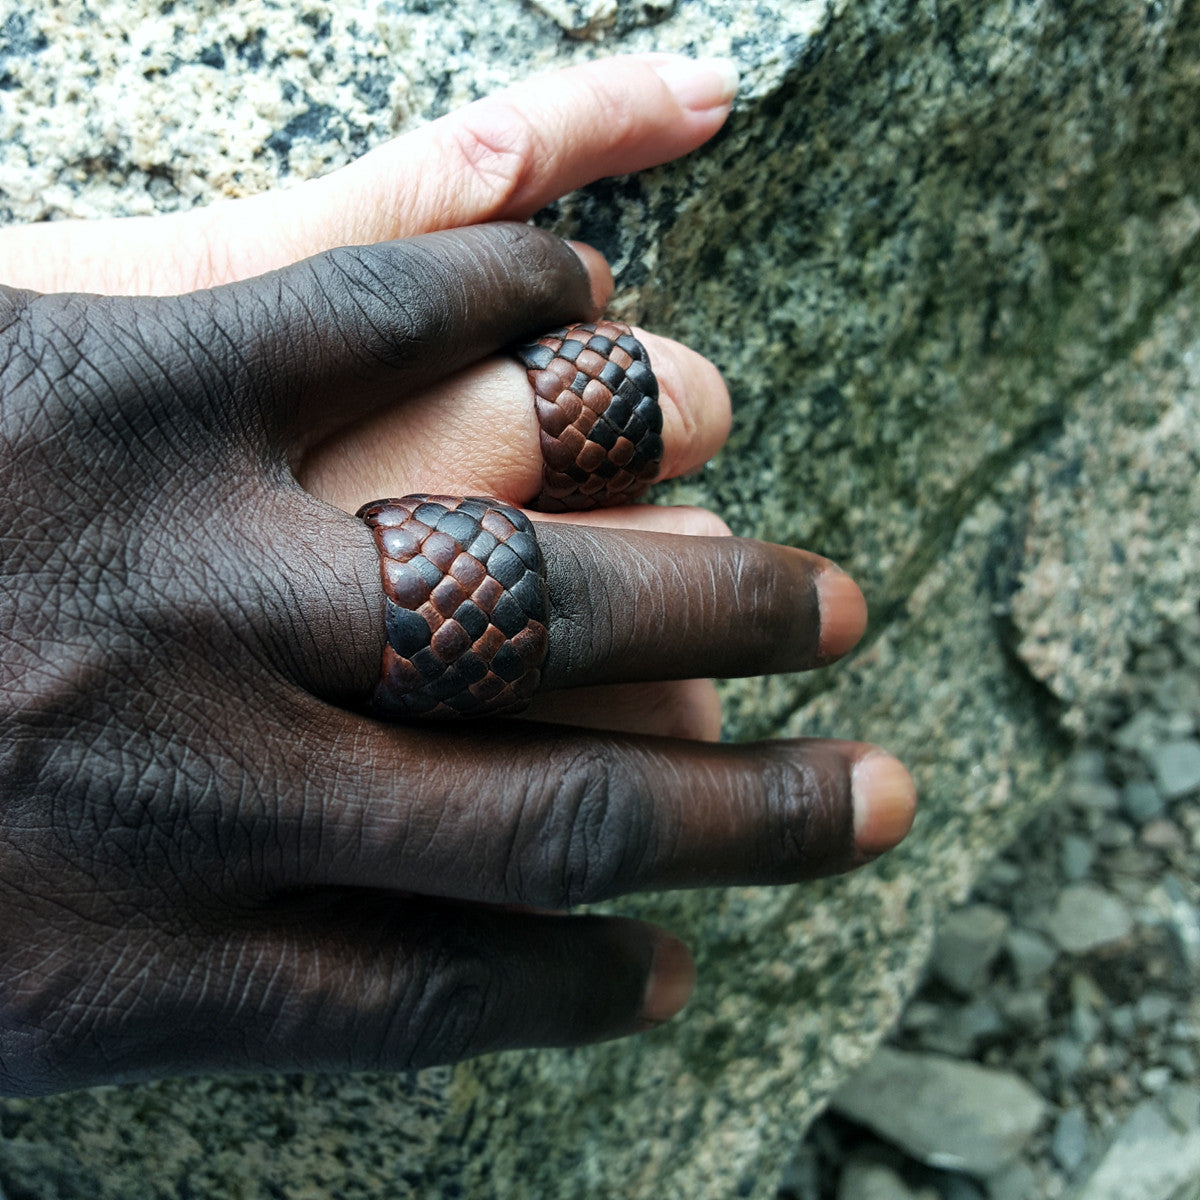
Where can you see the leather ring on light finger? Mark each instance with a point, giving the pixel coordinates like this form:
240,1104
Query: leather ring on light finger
484,607
478,433
600,422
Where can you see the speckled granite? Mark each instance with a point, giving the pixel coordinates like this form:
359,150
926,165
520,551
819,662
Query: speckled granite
948,258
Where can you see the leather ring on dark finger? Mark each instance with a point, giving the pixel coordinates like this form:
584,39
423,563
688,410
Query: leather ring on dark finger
484,607
598,415
466,607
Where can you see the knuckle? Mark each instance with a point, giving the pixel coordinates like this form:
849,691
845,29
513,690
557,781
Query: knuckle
494,146
384,300
599,831
808,817
452,1011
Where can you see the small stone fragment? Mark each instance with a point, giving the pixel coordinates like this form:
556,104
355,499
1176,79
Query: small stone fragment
1154,1079
1182,1101
1163,835
953,1115
1148,1159
1076,856
1086,917
1141,801
862,1179
968,941
1154,1009
1176,767
1071,1140
1017,1182
1096,795
1031,955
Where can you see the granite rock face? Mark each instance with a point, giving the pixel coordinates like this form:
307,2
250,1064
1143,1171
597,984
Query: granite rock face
948,258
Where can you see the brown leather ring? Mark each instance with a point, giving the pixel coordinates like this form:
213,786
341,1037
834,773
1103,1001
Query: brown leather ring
597,406
467,608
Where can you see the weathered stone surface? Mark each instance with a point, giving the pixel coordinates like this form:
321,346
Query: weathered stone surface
1148,1159
943,1112
948,258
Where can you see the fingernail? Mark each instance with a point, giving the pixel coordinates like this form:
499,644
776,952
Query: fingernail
843,613
672,978
699,83
885,802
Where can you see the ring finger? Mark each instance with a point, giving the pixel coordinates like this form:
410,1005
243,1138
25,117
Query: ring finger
477,433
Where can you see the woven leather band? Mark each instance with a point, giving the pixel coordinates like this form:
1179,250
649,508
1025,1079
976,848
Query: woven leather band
601,424
467,608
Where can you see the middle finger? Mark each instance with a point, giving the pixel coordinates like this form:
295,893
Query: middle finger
624,606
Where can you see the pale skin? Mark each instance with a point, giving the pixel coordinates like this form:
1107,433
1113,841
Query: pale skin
683,813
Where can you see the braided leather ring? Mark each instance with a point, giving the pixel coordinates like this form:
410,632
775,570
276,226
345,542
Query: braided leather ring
601,424
467,609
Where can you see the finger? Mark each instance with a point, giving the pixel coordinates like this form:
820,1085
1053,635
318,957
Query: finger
628,606
500,159
680,708
683,708
483,425
326,340
624,606
354,980
652,518
553,817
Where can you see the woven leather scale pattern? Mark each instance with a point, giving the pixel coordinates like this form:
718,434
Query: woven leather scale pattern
467,607
601,424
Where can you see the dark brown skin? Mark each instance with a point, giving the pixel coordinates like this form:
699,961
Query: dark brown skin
211,859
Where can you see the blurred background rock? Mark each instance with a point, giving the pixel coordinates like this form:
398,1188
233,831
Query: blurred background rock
946,253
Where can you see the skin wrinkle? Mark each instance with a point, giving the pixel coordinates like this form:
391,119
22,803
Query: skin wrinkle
495,145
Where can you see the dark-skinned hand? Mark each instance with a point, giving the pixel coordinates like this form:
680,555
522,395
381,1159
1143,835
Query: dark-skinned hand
210,860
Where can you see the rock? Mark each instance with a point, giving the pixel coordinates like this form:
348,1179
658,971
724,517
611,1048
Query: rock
1113,835
1176,767
1122,1021
921,1015
1154,1010
961,1027
865,1180
1070,1140
941,270
1076,857
957,1187
1154,1079
1017,1182
1086,765
1087,917
1183,920
949,1114
1182,1061
1147,1160
1163,835
1068,1057
1031,955
1096,795
1141,802
1027,1011
968,941
1182,1104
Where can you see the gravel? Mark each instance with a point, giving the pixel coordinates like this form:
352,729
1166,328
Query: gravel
1087,917
1074,968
